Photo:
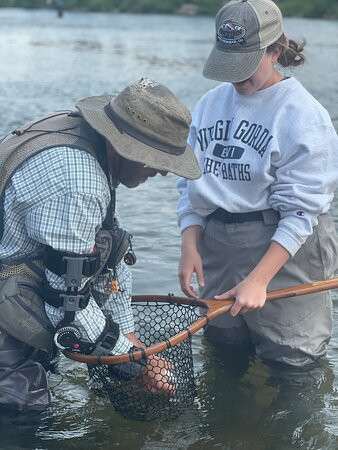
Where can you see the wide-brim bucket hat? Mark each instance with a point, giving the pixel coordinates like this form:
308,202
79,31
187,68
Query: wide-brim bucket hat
244,30
145,123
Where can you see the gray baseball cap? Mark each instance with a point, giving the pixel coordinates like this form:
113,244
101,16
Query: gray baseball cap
145,123
244,29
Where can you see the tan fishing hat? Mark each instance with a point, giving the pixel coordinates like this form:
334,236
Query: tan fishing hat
145,123
244,29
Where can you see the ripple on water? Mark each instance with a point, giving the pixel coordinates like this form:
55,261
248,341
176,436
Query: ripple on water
48,64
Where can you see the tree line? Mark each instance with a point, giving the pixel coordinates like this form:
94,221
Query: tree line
302,8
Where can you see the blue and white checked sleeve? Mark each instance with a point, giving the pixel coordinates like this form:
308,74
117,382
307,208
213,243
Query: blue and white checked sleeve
68,196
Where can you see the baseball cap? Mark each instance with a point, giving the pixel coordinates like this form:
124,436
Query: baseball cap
244,29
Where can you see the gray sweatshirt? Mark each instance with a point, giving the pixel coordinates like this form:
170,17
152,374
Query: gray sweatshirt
276,148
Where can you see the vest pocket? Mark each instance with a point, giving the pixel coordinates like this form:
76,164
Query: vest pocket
22,312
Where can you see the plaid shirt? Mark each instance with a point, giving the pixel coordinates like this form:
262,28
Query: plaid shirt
60,198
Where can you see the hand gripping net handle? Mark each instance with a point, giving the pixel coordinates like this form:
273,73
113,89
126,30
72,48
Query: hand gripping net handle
213,308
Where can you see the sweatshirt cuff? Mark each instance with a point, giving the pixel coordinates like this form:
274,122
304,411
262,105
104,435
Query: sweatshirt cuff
287,240
192,219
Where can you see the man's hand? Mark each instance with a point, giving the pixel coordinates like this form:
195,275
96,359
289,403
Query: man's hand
157,376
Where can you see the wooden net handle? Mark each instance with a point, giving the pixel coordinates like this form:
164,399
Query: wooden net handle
214,308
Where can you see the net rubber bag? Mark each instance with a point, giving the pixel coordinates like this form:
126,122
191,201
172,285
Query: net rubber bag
164,384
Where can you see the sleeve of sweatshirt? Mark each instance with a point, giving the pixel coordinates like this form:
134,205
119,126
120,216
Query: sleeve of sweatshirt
186,216
306,178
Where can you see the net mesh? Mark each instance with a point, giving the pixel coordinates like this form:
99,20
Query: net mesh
161,387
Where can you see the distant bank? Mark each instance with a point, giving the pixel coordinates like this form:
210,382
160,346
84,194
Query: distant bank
301,8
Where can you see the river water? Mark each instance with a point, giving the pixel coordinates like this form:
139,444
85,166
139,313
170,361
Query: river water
47,64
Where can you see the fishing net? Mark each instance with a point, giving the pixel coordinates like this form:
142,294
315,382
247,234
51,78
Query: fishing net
161,386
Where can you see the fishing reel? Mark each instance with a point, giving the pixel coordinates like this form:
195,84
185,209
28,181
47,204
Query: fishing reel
130,257
68,338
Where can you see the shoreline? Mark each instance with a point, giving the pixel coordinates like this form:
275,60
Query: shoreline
179,12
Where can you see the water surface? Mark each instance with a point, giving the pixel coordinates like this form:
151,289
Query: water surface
48,64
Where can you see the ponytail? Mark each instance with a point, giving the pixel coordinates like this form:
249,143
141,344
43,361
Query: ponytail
291,51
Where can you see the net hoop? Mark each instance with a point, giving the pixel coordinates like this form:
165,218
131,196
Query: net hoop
213,308
164,345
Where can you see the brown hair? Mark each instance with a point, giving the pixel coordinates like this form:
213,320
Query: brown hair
291,51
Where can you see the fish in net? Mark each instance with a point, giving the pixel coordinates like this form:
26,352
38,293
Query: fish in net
165,386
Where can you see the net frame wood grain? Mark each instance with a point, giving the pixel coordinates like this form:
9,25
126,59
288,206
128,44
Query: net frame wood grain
213,308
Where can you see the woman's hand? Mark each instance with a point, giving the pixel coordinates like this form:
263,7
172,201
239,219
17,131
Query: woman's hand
190,261
248,295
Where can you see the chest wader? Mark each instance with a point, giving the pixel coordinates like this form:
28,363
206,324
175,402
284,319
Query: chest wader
25,341
26,335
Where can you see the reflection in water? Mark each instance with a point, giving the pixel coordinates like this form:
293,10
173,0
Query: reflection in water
242,403
291,403
304,394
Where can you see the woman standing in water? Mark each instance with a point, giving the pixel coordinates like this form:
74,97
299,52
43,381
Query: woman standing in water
258,218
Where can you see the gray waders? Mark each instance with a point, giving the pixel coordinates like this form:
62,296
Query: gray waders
26,344
23,381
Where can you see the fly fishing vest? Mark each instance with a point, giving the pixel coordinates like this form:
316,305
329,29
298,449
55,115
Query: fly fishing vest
59,129
23,289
